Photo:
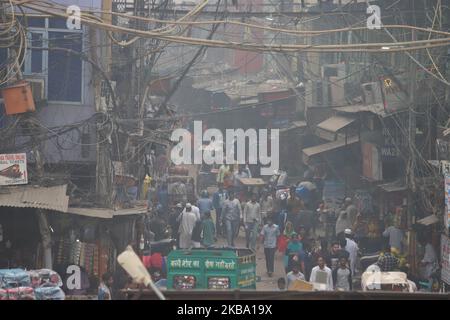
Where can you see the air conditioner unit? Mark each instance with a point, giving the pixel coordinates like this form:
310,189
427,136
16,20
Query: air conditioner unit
37,88
333,93
310,99
327,93
372,93
334,70
105,95
336,92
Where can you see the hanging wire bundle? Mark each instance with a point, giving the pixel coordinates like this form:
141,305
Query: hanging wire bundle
12,35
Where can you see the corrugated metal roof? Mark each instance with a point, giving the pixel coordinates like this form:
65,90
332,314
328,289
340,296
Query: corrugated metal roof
393,186
335,123
429,220
312,151
50,198
294,125
105,213
376,108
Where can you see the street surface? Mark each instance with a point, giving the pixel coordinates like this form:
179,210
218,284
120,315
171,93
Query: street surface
265,282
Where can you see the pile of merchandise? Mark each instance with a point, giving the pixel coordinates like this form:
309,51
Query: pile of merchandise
19,284
93,258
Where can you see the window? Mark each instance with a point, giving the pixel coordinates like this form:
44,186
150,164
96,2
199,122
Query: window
52,55
64,67
219,283
3,67
37,41
184,282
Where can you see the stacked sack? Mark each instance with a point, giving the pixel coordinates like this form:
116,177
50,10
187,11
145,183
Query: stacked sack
46,284
18,284
15,284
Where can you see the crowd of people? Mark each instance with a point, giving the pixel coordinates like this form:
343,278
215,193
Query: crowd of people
318,244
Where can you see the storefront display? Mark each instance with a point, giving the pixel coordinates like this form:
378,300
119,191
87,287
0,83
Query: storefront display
85,242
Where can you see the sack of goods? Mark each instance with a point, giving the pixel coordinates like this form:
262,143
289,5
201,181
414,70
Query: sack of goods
49,293
13,278
20,293
45,277
18,284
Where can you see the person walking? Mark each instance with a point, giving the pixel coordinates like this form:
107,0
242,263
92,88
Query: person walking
342,276
252,220
196,238
104,289
209,231
335,254
269,235
294,275
322,275
351,210
294,254
352,248
429,262
232,212
343,222
204,203
163,196
187,221
173,220
395,236
267,205
224,171
219,198
387,262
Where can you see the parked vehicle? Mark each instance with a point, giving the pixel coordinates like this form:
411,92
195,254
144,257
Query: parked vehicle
220,268
385,281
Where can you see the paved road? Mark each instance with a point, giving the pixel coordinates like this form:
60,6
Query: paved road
265,283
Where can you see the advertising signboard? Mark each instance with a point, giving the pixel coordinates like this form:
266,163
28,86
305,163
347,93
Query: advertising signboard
13,169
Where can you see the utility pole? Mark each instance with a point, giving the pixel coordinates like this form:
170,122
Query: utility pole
103,184
44,228
411,157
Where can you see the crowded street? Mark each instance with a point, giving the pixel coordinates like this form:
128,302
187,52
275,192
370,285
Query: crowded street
230,150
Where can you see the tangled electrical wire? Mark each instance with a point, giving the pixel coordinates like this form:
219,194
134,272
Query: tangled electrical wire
12,34
171,34
37,132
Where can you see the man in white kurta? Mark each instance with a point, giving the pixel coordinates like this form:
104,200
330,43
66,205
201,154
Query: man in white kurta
352,248
187,221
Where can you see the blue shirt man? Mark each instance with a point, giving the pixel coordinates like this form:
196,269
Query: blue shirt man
204,204
219,198
269,235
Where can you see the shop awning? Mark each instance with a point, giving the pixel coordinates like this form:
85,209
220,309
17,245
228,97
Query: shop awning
328,129
49,198
335,123
429,220
294,125
376,108
105,213
393,186
330,146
